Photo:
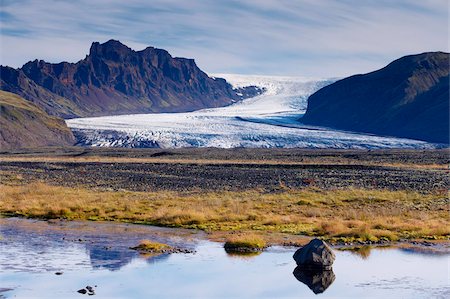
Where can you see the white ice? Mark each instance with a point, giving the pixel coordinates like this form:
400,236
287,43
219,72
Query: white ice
268,120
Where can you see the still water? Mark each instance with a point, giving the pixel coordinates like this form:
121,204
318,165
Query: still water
97,255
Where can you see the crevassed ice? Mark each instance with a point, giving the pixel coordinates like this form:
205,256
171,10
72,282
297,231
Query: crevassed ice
268,120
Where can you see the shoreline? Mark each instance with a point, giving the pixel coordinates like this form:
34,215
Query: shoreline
340,215
190,236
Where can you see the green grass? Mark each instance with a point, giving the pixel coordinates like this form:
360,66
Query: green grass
152,247
245,243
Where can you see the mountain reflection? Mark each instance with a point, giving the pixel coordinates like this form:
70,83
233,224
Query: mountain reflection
317,280
102,257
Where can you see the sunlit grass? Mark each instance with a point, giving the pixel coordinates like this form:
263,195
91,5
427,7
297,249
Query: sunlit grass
342,215
244,243
151,247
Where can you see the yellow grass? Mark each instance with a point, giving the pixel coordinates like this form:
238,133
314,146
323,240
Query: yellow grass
152,247
342,215
245,243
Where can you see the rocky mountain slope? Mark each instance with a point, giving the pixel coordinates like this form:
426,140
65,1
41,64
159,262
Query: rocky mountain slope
407,98
114,79
23,124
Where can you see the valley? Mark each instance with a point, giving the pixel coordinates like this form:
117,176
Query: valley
224,149
269,120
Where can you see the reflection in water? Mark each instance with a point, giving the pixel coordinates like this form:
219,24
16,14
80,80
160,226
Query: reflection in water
104,257
46,246
317,280
361,251
242,255
31,254
4,290
421,250
364,251
153,258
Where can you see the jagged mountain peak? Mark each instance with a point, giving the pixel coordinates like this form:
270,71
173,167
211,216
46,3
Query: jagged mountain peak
111,50
110,44
114,79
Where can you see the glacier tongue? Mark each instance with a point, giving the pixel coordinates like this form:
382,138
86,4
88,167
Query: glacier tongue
267,120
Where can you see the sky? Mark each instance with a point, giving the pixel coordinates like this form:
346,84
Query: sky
317,38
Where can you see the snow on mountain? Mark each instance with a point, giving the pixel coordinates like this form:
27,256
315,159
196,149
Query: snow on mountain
267,120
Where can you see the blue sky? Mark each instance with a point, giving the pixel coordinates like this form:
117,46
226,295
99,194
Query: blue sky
321,38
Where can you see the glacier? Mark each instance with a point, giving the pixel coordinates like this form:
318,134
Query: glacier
269,120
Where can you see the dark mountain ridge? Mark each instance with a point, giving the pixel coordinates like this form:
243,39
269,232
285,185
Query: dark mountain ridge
114,79
407,98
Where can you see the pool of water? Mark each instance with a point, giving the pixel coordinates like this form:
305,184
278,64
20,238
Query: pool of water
98,255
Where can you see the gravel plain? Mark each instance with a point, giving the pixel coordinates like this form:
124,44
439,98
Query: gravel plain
220,169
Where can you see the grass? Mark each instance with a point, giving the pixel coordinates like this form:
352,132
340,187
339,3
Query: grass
336,215
245,243
21,110
152,247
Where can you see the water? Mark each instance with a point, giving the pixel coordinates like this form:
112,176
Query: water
97,255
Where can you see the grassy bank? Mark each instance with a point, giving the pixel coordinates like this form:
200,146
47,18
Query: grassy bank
342,215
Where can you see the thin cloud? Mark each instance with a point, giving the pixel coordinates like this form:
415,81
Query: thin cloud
307,37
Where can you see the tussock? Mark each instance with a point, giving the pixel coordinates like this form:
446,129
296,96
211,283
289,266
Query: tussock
345,215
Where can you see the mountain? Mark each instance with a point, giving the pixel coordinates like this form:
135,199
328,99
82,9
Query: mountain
407,98
17,82
23,124
114,79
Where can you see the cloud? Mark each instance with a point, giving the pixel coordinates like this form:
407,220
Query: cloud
305,37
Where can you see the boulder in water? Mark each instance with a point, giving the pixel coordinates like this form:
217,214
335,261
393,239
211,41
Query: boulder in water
315,255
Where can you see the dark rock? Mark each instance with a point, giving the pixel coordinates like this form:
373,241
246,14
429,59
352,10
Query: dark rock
407,98
317,280
91,291
114,79
315,255
249,91
59,273
82,291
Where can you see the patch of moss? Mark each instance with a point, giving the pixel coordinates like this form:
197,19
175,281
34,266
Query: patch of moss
152,247
245,244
